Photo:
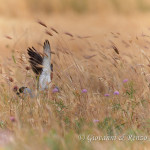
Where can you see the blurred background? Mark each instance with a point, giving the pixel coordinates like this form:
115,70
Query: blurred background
96,18
17,8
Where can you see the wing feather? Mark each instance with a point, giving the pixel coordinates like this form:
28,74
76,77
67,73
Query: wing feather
35,60
45,77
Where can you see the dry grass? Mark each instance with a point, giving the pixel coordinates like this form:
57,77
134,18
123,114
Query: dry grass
55,120
95,57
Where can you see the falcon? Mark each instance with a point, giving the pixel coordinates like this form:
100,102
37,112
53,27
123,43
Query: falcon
41,65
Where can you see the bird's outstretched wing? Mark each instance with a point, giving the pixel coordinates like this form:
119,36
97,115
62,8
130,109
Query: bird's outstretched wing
47,56
36,60
41,65
47,48
45,77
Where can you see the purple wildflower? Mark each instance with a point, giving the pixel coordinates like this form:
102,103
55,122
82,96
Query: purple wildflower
84,91
12,119
116,93
56,89
107,95
125,80
95,120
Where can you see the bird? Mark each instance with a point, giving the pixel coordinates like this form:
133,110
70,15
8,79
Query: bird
41,65
23,90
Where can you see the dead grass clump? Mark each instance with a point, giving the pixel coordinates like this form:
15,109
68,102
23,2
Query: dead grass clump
94,91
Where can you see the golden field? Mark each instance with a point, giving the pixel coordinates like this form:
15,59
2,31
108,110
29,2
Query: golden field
101,64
